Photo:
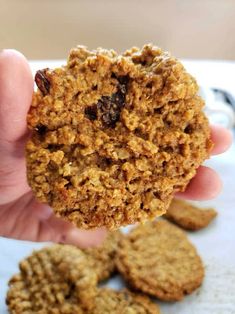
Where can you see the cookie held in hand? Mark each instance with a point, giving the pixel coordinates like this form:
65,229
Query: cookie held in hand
114,136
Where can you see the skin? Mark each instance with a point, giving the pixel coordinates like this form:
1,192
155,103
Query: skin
21,216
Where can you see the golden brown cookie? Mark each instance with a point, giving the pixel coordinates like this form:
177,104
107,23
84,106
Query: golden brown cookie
102,258
110,301
158,259
114,136
189,216
54,280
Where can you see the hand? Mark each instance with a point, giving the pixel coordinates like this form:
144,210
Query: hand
21,216
207,184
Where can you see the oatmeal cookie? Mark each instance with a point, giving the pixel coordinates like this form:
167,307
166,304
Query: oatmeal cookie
114,136
158,259
54,280
123,302
189,216
102,258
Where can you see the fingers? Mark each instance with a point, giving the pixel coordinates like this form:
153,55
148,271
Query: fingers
57,230
84,238
222,139
16,88
207,184
27,219
204,186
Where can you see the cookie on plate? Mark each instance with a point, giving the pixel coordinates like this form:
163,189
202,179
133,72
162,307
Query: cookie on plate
114,136
158,259
188,216
123,302
102,258
54,280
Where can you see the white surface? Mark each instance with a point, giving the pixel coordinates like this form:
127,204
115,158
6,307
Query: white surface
216,244
217,74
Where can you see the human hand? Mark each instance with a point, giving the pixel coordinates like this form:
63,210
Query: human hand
207,184
21,216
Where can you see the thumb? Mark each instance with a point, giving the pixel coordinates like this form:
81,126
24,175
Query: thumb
16,88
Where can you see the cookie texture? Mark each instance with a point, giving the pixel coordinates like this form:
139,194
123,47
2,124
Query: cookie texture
188,216
102,258
158,259
114,136
123,302
54,280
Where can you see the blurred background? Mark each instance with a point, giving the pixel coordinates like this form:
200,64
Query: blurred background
47,29
199,32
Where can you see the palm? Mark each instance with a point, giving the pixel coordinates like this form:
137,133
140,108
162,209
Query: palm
21,216
17,203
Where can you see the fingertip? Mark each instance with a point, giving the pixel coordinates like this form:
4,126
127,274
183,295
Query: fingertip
16,88
11,52
85,238
205,185
222,139
11,58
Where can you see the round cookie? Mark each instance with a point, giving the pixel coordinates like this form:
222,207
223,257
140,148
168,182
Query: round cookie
114,136
102,258
158,259
123,302
54,280
189,216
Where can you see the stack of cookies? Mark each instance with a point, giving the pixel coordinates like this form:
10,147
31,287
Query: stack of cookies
155,259
62,279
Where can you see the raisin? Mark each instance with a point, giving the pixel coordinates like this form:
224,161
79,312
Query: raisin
91,112
104,162
138,132
41,129
123,80
108,108
42,82
188,129
158,110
